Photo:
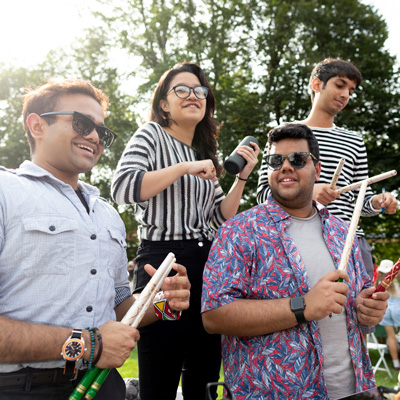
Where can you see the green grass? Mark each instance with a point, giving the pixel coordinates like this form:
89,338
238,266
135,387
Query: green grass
381,377
130,370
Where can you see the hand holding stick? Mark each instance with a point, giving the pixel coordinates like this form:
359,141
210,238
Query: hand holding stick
337,174
136,313
133,317
389,278
370,181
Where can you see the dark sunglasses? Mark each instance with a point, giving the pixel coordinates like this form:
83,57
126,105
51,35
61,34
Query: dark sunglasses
183,91
83,125
297,160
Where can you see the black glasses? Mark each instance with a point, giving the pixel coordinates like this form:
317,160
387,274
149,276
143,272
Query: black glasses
297,160
83,125
183,91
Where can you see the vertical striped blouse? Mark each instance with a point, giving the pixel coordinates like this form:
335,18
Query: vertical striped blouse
335,143
187,209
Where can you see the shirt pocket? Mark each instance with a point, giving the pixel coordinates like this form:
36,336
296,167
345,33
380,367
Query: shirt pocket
51,241
112,249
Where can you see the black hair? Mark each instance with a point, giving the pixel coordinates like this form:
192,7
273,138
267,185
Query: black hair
331,67
295,131
206,132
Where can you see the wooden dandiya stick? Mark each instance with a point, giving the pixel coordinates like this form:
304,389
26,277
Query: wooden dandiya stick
336,175
96,376
352,231
370,181
389,278
139,307
353,227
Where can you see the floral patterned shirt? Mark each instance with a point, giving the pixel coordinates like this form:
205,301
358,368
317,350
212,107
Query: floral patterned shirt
254,257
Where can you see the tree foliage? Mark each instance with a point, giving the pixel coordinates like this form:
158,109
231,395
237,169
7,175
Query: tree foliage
258,56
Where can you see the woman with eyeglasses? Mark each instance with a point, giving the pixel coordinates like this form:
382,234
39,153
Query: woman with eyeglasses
170,171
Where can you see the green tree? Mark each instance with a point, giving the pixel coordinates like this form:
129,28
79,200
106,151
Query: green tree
258,56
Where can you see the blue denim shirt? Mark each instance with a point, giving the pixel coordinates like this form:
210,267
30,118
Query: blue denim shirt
59,265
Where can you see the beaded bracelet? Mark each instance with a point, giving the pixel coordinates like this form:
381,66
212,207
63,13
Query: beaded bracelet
92,349
241,179
163,310
100,343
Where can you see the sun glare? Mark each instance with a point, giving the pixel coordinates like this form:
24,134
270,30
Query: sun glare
30,29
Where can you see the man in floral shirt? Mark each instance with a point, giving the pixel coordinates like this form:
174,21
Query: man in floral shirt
292,329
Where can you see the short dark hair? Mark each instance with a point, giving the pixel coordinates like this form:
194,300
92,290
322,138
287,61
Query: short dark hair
295,131
206,133
45,98
331,67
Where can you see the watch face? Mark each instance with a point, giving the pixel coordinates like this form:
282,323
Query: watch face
73,349
297,303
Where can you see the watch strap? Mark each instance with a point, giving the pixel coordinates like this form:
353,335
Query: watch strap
299,312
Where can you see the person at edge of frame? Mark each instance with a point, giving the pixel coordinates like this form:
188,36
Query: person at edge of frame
63,274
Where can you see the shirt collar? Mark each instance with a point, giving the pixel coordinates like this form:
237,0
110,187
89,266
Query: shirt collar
279,214
30,169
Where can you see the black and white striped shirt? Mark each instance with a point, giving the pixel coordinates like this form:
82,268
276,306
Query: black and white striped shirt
335,143
187,209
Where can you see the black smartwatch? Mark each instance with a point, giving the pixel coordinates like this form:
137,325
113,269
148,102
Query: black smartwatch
297,305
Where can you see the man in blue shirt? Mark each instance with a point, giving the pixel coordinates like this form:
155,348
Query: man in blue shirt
63,263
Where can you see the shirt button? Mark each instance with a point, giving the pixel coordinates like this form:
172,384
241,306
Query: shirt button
200,244
89,308
93,237
52,228
93,271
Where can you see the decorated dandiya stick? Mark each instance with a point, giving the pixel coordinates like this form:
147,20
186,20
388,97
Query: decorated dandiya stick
96,376
84,384
139,307
96,385
389,278
369,181
336,175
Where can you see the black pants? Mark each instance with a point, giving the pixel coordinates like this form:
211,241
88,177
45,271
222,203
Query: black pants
113,388
168,349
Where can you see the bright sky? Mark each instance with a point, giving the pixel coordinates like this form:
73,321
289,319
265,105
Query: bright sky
30,29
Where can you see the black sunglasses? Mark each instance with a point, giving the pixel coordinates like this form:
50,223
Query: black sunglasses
83,125
183,91
297,160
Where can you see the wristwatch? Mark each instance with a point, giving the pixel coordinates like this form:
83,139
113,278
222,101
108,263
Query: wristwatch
72,350
297,305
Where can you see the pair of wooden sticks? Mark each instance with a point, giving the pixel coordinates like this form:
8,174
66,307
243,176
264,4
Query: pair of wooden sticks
358,207
355,218
94,378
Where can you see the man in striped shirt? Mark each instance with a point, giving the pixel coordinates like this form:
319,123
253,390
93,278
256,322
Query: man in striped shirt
332,82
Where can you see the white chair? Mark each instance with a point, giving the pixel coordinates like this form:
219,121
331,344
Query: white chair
373,344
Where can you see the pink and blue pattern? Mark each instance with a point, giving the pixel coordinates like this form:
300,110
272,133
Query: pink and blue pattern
253,257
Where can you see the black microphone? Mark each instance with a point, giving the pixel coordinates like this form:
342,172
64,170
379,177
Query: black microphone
235,162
